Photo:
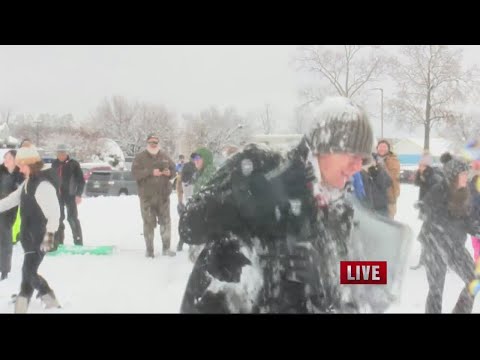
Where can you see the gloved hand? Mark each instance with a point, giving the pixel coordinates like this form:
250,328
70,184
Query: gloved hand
303,264
373,171
181,208
47,243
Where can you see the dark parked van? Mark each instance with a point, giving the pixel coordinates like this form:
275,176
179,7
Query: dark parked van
111,183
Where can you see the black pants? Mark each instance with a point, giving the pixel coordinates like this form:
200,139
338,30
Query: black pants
461,262
72,218
31,280
6,248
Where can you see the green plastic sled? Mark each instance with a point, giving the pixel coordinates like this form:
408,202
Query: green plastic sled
82,250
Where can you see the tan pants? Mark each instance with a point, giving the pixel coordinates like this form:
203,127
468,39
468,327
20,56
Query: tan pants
156,210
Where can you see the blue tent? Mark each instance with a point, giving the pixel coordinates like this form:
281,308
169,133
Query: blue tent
409,159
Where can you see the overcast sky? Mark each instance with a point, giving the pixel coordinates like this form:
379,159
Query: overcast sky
74,79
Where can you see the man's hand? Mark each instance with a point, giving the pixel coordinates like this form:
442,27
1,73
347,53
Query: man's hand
166,172
157,172
47,243
78,199
303,264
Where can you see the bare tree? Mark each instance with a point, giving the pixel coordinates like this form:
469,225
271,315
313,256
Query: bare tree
266,119
347,69
215,130
6,115
462,126
430,82
115,119
155,119
130,123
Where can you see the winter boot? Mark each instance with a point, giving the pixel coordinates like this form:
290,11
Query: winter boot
49,300
180,246
168,252
21,304
149,245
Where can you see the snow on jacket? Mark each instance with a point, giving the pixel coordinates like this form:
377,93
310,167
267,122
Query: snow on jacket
260,207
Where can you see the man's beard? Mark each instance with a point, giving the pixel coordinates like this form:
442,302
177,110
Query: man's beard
153,151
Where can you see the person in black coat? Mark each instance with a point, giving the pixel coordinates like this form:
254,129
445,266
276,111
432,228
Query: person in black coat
448,216
425,178
70,184
377,182
10,180
275,227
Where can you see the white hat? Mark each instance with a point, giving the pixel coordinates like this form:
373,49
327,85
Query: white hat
27,156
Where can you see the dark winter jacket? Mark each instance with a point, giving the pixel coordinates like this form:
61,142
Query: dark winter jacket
204,175
149,185
257,216
441,228
34,221
9,182
69,177
425,180
377,182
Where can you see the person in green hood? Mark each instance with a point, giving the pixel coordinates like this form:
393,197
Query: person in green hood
203,160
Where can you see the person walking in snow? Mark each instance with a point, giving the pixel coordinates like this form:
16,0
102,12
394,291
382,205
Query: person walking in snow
448,218
153,170
40,215
275,227
425,178
71,183
10,180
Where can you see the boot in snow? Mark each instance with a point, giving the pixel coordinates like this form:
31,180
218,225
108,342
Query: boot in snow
168,252
49,300
21,304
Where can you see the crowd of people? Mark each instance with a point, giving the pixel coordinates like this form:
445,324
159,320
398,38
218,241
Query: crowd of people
265,230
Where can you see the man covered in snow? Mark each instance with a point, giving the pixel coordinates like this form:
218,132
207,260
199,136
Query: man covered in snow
276,227
153,170
40,214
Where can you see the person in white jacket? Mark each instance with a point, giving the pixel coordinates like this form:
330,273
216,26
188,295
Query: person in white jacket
40,215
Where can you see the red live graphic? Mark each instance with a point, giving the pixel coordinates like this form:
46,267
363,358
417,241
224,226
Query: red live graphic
363,272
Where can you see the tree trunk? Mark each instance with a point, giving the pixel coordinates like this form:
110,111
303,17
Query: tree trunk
426,141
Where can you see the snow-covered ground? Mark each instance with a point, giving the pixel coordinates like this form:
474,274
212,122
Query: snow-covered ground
127,282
